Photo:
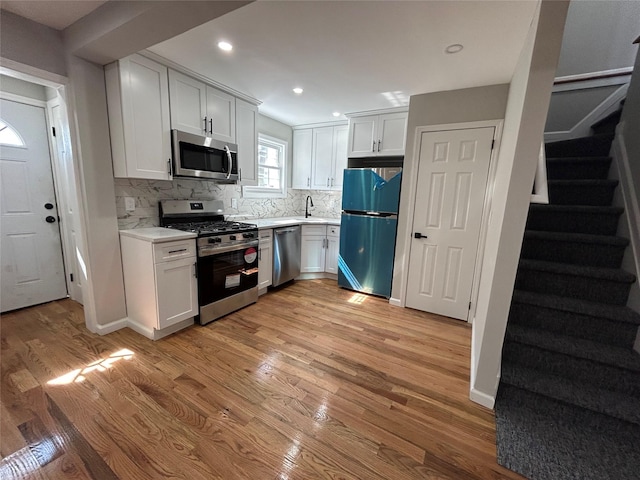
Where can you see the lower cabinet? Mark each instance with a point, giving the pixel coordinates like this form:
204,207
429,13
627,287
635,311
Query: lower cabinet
319,250
265,260
160,285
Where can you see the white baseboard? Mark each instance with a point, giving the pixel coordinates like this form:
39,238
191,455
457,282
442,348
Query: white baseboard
111,327
482,398
155,334
317,275
396,302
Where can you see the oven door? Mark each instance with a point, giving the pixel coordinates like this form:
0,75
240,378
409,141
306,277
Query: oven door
227,273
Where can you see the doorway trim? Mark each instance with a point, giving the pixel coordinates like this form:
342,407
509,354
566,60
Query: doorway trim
488,196
61,84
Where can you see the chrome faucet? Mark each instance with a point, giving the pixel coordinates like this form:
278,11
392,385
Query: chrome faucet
306,206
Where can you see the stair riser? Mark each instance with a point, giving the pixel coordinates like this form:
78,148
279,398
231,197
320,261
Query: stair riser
572,222
593,195
594,170
577,369
583,288
572,324
581,147
574,253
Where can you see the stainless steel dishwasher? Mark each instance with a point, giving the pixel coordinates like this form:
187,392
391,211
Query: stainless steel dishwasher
286,254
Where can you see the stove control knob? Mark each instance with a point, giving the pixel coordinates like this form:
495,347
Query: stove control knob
232,237
217,240
247,235
211,240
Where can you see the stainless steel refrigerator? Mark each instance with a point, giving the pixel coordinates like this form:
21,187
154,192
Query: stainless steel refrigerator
370,199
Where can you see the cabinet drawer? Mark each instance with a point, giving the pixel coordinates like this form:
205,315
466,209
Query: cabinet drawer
314,230
333,231
163,252
265,235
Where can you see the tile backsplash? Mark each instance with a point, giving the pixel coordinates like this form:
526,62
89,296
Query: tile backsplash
147,193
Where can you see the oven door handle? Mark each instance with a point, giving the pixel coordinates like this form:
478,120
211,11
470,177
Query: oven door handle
206,251
230,158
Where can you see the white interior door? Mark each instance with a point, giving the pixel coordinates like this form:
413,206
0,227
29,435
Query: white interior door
32,267
452,179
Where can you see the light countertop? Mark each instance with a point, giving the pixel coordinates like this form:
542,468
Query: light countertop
157,234
276,222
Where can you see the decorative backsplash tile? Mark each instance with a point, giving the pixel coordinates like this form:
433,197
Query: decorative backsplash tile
148,193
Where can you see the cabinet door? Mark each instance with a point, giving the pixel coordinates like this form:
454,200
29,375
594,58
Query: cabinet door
145,119
188,103
177,292
247,140
322,158
362,135
265,264
302,152
333,250
312,253
340,139
392,133
221,115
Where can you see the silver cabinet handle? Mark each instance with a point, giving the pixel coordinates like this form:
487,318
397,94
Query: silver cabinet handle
373,149
308,181
195,270
205,124
240,174
259,254
211,126
178,251
328,179
169,168
378,145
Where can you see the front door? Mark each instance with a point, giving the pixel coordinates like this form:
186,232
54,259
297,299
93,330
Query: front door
32,268
452,179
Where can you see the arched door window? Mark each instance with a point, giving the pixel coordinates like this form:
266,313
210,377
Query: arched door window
9,136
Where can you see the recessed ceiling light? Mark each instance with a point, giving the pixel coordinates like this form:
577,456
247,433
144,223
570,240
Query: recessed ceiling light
297,90
453,48
336,114
226,46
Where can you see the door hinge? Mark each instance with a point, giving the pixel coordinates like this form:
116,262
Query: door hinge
54,131
469,305
71,277
493,143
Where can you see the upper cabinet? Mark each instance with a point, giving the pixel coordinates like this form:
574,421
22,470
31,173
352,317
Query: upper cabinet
319,157
377,135
247,140
138,103
201,109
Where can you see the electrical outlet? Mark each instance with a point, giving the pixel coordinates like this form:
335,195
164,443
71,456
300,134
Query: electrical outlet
129,204
234,203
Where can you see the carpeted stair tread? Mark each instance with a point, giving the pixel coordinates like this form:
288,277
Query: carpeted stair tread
577,237
544,439
571,168
597,352
574,305
618,405
611,274
593,220
577,209
595,145
583,182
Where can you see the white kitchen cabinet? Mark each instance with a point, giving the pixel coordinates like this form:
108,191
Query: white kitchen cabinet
265,259
160,285
319,157
377,135
247,140
302,150
320,249
333,249
312,248
201,109
138,106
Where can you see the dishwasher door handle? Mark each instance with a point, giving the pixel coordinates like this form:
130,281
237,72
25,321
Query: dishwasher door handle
288,230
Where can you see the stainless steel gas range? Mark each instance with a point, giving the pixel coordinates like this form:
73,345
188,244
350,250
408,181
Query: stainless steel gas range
227,261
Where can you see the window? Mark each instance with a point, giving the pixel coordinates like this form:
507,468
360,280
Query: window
8,136
272,161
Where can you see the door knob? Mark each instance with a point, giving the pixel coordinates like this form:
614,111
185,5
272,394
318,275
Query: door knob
48,206
50,219
419,235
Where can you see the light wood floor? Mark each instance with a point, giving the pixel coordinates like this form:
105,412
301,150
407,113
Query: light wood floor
311,382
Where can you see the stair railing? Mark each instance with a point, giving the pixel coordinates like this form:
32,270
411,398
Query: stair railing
540,193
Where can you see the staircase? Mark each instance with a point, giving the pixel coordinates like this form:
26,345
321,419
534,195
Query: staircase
568,405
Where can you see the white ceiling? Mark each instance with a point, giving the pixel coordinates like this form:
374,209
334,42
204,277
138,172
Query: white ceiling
58,14
354,55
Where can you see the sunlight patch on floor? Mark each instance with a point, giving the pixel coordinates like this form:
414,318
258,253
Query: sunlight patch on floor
79,375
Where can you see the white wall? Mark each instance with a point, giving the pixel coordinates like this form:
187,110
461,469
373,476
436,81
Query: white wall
523,130
454,106
598,36
31,43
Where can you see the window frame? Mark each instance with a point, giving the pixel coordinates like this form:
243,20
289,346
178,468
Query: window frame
266,192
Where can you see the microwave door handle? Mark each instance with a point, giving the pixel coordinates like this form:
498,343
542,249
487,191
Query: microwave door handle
226,147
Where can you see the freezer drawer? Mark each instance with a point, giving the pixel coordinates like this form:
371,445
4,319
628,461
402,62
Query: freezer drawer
367,248
286,254
371,189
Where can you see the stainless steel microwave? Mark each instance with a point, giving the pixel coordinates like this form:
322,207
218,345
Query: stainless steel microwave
204,157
